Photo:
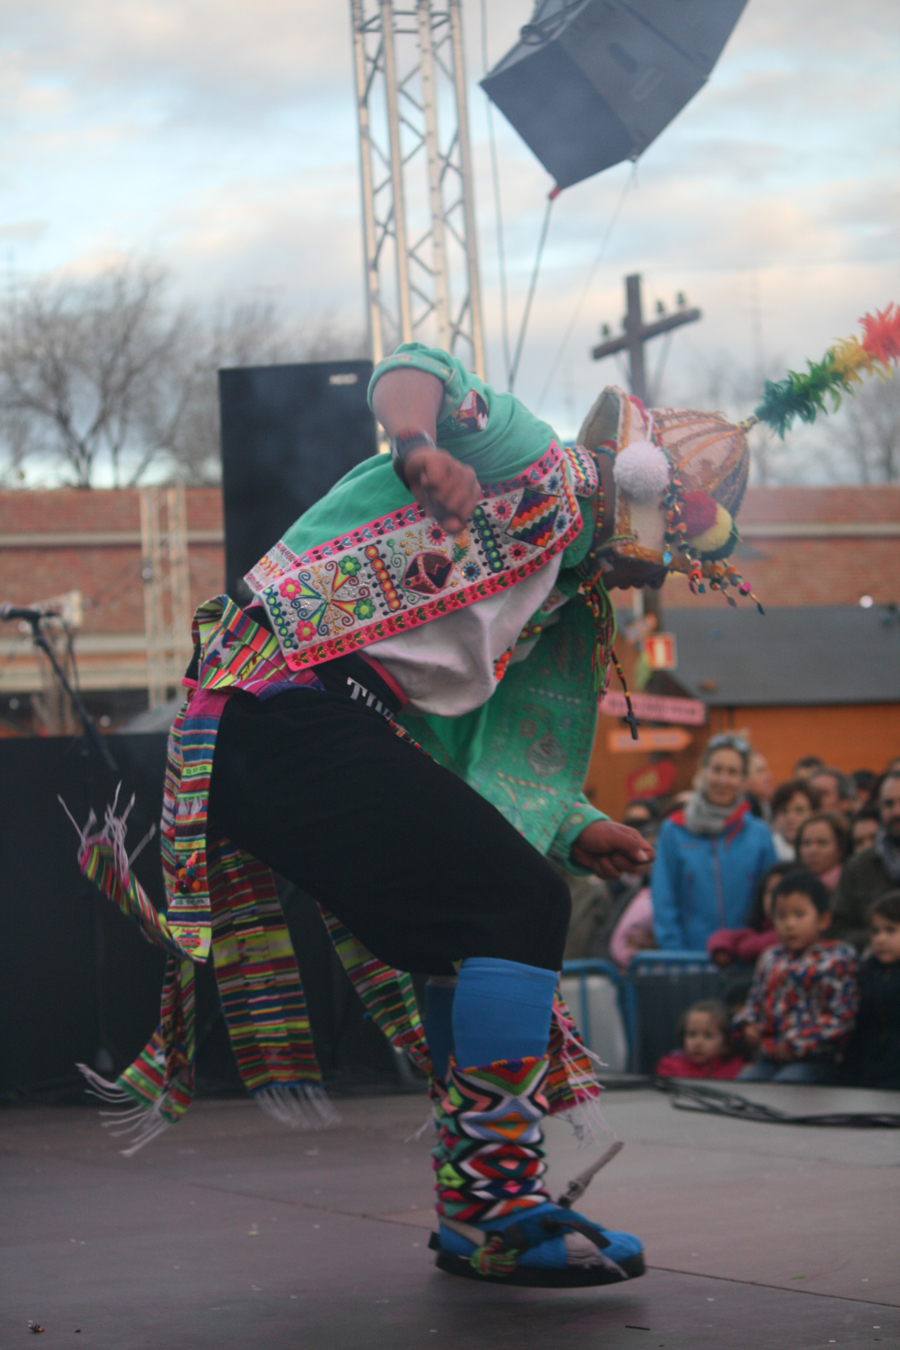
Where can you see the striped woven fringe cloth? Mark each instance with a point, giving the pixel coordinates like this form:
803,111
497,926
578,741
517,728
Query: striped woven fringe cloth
260,989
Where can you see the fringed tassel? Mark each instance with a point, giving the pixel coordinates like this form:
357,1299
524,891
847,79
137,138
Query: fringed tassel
575,1058
144,1122
304,1106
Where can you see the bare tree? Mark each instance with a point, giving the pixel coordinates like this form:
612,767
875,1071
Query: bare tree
105,377
249,334
867,433
77,363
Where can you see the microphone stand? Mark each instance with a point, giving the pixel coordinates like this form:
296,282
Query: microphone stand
91,734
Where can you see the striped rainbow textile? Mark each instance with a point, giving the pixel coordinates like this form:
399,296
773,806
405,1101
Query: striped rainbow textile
223,901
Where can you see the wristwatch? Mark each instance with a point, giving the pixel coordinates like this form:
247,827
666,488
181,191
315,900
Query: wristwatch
403,444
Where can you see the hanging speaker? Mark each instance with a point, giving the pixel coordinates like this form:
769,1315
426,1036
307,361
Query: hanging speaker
592,83
288,434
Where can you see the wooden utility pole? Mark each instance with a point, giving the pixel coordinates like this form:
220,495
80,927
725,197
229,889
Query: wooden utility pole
637,333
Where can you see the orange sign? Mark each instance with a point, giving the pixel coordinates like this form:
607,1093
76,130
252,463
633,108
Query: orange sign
659,651
649,738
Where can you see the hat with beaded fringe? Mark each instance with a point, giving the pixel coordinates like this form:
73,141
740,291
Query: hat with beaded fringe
680,477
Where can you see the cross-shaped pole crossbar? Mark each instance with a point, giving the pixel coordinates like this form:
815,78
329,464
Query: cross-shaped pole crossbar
637,333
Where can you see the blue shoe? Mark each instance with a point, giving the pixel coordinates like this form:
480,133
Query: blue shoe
547,1246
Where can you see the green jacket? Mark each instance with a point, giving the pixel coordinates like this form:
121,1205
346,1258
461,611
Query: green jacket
527,749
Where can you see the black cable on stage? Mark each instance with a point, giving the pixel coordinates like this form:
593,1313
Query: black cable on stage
719,1102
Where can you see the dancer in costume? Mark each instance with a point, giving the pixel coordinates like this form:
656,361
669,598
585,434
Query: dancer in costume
453,602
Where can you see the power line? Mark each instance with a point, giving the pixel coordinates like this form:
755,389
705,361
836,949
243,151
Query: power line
514,368
629,182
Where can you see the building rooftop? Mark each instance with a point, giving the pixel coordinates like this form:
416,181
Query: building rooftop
809,654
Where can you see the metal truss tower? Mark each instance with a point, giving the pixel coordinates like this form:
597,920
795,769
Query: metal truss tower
421,254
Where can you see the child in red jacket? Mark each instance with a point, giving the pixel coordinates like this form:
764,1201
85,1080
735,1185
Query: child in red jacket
745,945
706,1045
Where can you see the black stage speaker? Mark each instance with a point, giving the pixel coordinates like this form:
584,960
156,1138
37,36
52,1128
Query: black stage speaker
288,434
592,83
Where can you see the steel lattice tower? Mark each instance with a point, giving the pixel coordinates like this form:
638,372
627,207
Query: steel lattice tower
421,254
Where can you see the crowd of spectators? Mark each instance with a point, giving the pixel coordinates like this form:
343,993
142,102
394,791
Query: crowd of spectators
796,888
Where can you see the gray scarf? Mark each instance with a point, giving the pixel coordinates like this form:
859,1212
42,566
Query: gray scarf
888,851
701,817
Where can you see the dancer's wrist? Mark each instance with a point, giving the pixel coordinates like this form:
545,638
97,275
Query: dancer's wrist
402,446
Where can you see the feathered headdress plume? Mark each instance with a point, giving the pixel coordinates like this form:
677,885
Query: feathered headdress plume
843,366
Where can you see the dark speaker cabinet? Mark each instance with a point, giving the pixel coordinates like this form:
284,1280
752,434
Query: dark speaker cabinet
288,434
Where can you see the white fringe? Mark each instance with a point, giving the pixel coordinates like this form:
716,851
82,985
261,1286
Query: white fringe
588,1123
417,1134
113,833
305,1106
144,1123
586,1119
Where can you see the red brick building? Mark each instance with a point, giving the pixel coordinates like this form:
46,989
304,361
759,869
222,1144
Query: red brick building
801,547
90,541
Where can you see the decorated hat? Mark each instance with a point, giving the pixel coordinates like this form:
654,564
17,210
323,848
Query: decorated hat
680,475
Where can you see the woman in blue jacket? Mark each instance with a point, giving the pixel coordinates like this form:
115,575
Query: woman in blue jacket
710,855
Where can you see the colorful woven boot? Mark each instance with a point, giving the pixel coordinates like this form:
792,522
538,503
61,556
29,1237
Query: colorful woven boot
497,1222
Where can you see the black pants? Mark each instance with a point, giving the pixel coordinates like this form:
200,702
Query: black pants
418,866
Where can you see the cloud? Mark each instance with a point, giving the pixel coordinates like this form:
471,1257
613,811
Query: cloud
220,138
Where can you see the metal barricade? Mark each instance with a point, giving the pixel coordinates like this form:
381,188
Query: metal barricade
596,994
660,987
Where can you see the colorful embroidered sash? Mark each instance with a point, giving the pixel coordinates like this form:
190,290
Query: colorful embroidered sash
403,570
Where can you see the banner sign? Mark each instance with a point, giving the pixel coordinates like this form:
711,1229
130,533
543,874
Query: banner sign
689,712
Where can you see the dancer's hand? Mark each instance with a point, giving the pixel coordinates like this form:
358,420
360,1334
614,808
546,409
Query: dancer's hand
609,849
752,1035
444,487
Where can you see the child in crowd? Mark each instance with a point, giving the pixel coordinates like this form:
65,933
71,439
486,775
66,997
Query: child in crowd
706,1049
873,1056
634,931
790,805
745,945
802,1003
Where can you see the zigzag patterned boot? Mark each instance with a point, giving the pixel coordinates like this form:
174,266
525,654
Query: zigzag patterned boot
497,1222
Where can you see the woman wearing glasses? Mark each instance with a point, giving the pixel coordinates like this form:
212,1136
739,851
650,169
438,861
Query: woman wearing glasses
711,854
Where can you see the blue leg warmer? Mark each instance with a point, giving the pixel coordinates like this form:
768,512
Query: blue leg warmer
501,1011
438,1021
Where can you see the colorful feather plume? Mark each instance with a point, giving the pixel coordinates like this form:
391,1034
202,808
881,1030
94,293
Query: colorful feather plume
806,394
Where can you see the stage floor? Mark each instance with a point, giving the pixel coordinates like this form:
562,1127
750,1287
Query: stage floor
232,1231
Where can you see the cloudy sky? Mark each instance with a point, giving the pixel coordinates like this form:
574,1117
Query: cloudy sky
220,139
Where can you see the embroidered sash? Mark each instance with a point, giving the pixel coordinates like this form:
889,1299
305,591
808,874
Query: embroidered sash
403,569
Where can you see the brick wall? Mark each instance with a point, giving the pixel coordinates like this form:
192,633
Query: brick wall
108,575
797,569
787,569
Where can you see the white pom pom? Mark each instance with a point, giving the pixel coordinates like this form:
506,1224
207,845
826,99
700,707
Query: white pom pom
642,471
